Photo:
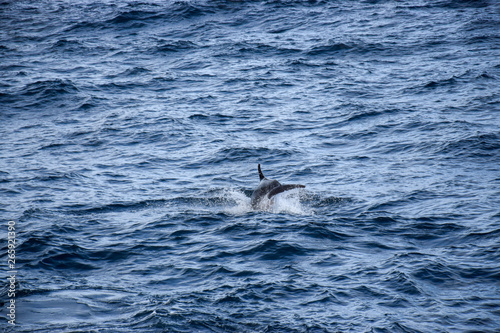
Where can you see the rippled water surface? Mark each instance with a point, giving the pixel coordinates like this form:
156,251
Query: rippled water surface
130,133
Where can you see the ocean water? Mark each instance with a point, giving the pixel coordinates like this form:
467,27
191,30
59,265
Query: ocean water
130,133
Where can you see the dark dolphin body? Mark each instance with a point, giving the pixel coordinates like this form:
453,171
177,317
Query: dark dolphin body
269,188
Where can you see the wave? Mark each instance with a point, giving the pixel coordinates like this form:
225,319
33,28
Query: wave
60,249
255,48
437,273
137,16
134,18
131,72
116,207
273,250
45,94
164,46
451,83
480,145
426,231
270,249
69,45
482,236
215,119
49,88
323,231
338,48
244,153
402,282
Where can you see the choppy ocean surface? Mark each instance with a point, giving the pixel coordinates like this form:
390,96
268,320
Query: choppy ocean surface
130,133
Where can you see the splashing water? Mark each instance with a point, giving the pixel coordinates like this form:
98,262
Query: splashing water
290,203
236,202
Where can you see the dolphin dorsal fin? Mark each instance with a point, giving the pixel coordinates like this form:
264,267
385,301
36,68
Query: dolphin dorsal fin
261,175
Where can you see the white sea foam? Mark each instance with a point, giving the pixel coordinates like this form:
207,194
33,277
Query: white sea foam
236,202
289,202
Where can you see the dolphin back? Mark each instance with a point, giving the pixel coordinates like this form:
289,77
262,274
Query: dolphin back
268,188
283,188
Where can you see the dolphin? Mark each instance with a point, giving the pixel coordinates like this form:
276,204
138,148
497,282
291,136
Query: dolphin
268,188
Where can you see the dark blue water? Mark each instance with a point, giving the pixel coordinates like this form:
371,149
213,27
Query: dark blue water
130,133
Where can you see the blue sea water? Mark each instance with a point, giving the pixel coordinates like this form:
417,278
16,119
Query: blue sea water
130,133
